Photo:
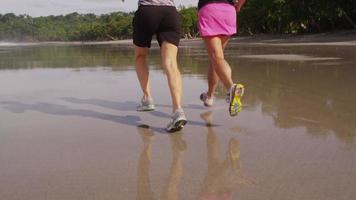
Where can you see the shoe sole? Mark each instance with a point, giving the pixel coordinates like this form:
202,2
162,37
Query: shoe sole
207,105
145,110
233,102
201,96
178,126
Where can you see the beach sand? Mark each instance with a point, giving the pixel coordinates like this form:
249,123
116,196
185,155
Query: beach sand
69,129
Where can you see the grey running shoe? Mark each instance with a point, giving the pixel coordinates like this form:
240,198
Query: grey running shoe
235,93
145,105
206,100
177,122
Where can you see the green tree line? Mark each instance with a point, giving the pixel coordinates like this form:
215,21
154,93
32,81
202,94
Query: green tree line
297,16
71,27
257,16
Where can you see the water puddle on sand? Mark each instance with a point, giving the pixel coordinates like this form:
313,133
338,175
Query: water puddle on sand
69,127
288,57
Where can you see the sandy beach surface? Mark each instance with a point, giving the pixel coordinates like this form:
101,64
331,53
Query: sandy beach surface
69,129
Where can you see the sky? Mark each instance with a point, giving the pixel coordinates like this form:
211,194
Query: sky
37,8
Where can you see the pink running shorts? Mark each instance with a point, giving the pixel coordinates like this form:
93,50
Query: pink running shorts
217,19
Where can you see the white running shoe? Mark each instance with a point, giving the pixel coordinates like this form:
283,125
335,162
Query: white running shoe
177,122
208,101
145,105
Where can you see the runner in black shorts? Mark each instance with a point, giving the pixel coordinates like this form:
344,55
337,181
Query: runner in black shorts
162,21
160,18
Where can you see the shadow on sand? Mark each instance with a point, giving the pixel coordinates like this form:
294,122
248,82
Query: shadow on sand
131,106
61,110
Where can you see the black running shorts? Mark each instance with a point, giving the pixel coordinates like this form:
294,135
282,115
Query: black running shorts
162,21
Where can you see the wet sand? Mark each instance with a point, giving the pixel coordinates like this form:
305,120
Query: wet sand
69,129
337,38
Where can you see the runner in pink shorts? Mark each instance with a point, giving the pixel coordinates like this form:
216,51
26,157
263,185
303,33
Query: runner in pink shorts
217,19
217,23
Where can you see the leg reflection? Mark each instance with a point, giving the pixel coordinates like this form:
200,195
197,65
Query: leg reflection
222,174
170,191
144,191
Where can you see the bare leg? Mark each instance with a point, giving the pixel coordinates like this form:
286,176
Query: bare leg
169,62
215,46
213,81
142,70
213,78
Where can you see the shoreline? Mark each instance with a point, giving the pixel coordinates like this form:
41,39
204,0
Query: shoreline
339,38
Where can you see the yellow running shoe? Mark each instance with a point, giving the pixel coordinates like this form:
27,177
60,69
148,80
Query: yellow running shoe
235,93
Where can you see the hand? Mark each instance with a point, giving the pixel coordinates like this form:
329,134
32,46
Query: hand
239,4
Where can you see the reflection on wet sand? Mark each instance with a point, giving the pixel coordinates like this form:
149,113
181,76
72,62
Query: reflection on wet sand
170,191
289,57
222,175
306,99
221,178
63,128
66,57
304,93
144,190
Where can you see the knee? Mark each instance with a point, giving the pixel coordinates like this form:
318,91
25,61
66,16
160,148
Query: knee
217,58
140,57
169,63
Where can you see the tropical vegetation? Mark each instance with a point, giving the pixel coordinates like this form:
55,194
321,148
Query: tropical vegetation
257,16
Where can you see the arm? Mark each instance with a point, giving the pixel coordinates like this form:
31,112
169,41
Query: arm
239,4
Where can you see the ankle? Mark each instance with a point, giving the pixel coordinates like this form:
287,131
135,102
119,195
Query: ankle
177,109
210,94
147,97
